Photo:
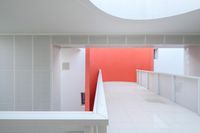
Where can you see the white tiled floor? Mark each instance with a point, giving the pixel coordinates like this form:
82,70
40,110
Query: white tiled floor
133,109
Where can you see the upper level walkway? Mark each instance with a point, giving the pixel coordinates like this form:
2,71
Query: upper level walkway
126,107
134,109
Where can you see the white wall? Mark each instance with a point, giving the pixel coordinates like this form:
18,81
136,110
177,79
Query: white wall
192,61
170,60
56,79
72,79
25,73
31,81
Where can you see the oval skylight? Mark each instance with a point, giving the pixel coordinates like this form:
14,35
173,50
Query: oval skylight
146,9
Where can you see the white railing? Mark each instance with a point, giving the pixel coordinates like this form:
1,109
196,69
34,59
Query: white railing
59,122
183,90
100,101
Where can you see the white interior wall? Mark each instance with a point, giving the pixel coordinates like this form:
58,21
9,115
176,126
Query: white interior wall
25,73
192,61
56,89
170,60
72,78
31,81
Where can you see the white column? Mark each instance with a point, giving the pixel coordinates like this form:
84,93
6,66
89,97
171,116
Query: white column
147,80
158,84
139,77
173,89
198,92
137,72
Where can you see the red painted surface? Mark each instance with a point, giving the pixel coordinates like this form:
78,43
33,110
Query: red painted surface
117,64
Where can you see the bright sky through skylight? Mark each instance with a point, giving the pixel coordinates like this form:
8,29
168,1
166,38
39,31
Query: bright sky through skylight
146,9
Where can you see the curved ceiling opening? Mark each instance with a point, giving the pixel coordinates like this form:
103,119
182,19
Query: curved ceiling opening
146,9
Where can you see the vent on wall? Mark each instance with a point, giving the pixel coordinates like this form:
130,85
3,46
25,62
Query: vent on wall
82,98
155,53
120,40
65,66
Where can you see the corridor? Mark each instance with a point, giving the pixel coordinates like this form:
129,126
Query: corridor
133,109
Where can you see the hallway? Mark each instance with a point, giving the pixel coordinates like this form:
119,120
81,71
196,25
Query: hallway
133,109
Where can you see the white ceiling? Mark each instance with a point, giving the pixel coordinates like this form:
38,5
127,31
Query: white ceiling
82,17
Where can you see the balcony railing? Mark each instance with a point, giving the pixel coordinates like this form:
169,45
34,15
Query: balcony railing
59,122
100,101
183,90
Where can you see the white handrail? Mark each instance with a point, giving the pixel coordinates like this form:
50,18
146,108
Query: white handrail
32,122
100,101
185,76
181,89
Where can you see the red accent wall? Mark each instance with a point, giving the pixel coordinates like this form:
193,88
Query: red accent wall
117,64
